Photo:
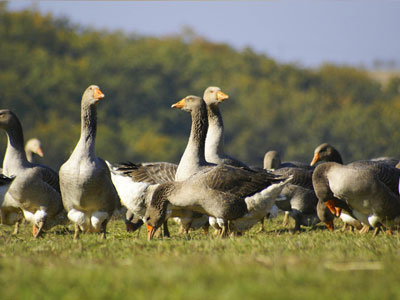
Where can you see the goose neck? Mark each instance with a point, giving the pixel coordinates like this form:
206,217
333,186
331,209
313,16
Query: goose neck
88,126
214,145
15,157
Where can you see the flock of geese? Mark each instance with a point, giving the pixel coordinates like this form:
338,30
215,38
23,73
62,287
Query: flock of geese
207,187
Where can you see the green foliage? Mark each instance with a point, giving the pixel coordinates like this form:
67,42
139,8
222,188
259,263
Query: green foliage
46,63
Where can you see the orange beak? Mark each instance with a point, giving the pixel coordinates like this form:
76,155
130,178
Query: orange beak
331,205
330,226
222,96
39,152
98,94
315,159
34,230
179,104
338,211
150,232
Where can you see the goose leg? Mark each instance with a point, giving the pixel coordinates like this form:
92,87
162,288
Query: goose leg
376,231
296,226
103,228
37,231
77,231
165,229
364,229
205,228
286,219
344,228
16,227
262,225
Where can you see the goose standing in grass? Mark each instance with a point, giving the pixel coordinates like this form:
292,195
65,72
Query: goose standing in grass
225,192
35,189
300,201
10,214
369,190
88,193
327,153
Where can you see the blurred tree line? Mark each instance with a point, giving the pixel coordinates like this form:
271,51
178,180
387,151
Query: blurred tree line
46,63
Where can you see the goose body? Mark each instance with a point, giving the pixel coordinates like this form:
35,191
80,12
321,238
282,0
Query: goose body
88,193
368,190
35,189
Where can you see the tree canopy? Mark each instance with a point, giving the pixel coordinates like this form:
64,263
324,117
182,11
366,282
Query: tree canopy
46,63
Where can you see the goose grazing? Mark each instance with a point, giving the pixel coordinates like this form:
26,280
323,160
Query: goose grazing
88,193
135,184
327,153
35,190
367,190
225,192
300,201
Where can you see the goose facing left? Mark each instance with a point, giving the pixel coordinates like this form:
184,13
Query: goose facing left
36,187
87,191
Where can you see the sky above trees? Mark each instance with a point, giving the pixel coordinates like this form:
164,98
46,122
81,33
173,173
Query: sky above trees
309,33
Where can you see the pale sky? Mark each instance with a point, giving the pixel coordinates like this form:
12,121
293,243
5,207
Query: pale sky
306,32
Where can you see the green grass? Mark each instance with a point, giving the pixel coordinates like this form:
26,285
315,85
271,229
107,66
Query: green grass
275,264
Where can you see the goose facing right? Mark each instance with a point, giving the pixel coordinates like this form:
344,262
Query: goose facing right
35,189
88,193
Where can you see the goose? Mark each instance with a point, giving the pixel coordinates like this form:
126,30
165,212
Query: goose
327,153
144,174
88,193
231,194
135,183
214,145
299,201
11,215
35,190
368,190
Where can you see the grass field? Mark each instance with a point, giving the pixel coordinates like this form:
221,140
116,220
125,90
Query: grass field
274,264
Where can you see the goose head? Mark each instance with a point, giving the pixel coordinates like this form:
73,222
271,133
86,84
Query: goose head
156,211
34,146
213,96
272,160
189,103
8,119
326,152
92,95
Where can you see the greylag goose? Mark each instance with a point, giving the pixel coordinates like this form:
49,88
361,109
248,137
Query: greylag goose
11,215
300,201
225,192
214,146
36,188
368,190
327,153
88,193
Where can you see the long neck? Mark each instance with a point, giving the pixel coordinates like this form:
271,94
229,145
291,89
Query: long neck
88,128
29,154
214,146
193,157
15,158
